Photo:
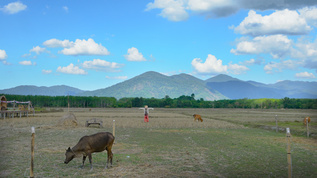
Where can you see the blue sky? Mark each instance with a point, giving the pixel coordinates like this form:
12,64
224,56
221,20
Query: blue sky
95,44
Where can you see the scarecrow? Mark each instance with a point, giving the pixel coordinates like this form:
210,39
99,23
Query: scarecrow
146,113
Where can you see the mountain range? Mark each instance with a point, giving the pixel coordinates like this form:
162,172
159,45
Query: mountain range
153,84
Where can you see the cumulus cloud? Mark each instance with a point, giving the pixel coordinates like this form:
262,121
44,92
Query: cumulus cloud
280,22
85,47
55,43
179,10
27,63
276,45
305,75
252,62
212,65
101,65
310,14
71,69
134,55
237,69
306,51
79,47
213,8
13,8
117,77
38,50
172,10
279,66
46,71
3,54
3,57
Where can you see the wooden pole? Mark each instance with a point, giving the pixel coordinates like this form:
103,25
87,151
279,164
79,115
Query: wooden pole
32,153
307,128
276,123
114,129
68,102
289,159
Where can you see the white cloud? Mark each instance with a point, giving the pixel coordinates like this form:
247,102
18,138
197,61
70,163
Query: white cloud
305,75
46,71
83,47
310,14
101,65
252,62
179,10
280,22
13,8
306,51
213,8
134,55
55,43
71,69
279,66
38,50
3,54
237,69
117,77
212,65
27,63
172,10
276,45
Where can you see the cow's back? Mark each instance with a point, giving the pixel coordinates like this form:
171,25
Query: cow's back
96,143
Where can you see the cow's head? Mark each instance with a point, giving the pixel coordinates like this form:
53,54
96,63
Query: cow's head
70,155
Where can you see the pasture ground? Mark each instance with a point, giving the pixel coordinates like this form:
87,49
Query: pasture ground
229,143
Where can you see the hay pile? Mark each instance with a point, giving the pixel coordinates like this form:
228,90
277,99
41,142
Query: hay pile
68,119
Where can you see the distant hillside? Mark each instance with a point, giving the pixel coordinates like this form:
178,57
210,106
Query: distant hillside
153,84
236,89
296,89
60,90
221,78
240,89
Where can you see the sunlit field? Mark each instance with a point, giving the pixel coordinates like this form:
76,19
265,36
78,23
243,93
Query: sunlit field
229,143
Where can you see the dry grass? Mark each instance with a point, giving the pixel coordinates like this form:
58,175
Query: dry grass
170,145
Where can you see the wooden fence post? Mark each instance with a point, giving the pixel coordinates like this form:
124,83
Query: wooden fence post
32,153
307,128
289,159
276,124
114,129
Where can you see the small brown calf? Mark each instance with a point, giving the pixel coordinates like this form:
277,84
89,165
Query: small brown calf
197,117
307,119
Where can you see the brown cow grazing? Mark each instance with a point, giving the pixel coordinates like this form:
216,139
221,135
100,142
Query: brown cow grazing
197,117
307,119
89,144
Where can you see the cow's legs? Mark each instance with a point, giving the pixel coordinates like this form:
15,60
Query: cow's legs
109,157
84,159
90,160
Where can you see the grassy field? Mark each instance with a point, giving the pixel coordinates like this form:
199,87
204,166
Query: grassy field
229,143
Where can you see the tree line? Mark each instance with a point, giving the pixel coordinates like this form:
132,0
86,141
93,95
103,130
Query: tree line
167,102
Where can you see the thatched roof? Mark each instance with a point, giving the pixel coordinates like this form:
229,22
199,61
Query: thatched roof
68,119
3,98
3,105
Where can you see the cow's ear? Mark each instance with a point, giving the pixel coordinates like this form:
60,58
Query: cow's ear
68,149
